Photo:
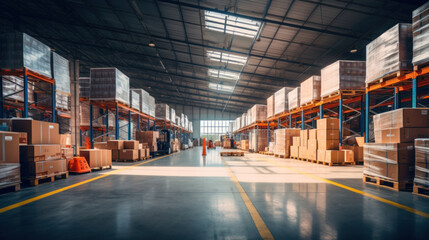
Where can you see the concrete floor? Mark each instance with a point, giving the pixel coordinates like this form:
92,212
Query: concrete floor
184,196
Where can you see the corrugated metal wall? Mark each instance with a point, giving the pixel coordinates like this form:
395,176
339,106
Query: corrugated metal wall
195,114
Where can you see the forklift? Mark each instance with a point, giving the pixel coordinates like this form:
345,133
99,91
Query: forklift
163,143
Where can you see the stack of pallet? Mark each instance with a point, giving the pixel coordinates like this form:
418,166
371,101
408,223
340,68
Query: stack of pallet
162,111
281,100
41,158
109,84
258,140
391,157
284,141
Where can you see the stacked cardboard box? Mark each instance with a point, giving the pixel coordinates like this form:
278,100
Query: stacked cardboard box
342,75
258,140
328,141
244,144
148,137
293,98
392,155
421,35
284,140
126,150
397,41
258,113
162,111
66,149
109,84
310,90
294,148
97,158
9,159
42,156
421,177
270,106
227,143
281,100
271,147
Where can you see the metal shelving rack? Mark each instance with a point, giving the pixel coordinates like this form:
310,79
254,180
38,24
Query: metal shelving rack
178,131
244,131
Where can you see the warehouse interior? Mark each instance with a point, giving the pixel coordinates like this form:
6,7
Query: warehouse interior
196,119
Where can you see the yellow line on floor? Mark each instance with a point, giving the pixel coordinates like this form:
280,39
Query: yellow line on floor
392,203
19,204
257,219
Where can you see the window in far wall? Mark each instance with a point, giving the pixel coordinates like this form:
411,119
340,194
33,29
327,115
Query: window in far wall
213,129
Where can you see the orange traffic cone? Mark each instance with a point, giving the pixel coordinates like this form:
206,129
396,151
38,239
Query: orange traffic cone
79,165
204,147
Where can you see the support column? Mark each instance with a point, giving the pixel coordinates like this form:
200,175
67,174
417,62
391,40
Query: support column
1,100
290,120
53,102
138,122
340,114
367,117
302,120
25,112
91,131
362,115
268,133
396,98
117,122
321,111
414,94
278,123
76,133
257,139
129,125
107,122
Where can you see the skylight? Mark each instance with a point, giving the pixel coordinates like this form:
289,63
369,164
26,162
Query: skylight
221,87
222,74
230,24
226,57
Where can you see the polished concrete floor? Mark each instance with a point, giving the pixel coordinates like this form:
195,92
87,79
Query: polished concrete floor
185,196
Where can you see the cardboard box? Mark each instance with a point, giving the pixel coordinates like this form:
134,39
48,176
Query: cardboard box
131,144
283,141
360,141
97,157
294,151
302,152
334,156
303,136
129,154
270,106
148,137
9,147
312,134
142,154
65,140
296,141
148,152
400,135
395,172
357,152
43,168
39,152
115,144
67,153
22,137
321,155
328,123
101,145
312,149
391,153
401,118
348,155
38,132
310,90
324,134
115,154
328,144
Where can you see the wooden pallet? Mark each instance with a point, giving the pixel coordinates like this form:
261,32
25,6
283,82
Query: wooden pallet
34,181
126,160
101,168
387,77
13,187
420,66
389,184
350,163
421,190
311,102
344,92
227,154
280,155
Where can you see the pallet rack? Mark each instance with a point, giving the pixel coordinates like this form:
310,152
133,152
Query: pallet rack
256,125
178,131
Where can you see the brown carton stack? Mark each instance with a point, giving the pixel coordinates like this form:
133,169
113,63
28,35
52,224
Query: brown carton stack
284,140
293,98
294,149
281,100
328,135
244,144
392,155
42,156
270,106
342,75
227,143
9,160
310,90
149,137
421,178
258,142
312,145
258,113
115,146
97,158
130,151
66,150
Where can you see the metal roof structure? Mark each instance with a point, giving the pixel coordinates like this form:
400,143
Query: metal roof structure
224,55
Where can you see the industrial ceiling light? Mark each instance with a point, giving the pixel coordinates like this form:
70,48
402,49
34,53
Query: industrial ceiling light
230,24
354,50
151,43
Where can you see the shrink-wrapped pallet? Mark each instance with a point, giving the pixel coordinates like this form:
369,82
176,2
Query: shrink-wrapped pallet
97,121
19,50
281,100
389,53
392,161
182,120
244,120
151,103
185,122
172,115
293,98
135,99
421,35
258,140
178,121
284,139
258,113
310,90
249,117
402,118
109,84
270,106
162,111
84,87
422,162
123,130
61,73
9,174
13,89
342,75
141,93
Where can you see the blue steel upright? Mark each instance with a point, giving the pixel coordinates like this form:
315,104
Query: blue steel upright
2,100
367,117
91,131
53,102
414,94
290,121
117,122
302,120
321,111
129,125
25,112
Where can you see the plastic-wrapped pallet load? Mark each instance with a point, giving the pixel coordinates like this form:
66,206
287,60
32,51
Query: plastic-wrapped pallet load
293,98
13,89
19,50
182,120
135,99
244,120
342,75
231,127
173,115
281,100
178,120
162,111
84,87
284,141
109,84
421,177
270,106
249,117
151,106
258,140
186,123
421,35
123,129
389,53
141,93
61,73
310,90
258,113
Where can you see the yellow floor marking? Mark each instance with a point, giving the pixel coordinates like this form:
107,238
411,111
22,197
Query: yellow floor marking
257,219
19,204
395,204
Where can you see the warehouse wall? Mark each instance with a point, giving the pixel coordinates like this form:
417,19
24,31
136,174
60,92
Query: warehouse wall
195,114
